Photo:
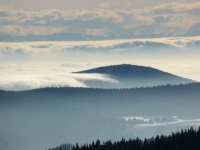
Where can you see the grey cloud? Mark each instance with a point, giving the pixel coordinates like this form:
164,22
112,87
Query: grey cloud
160,19
4,14
195,11
20,51
40,46
85,4
80,25
9,51
194,29
163,11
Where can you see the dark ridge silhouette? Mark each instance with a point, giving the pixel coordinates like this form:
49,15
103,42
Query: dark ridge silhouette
134,76
128,70
151,100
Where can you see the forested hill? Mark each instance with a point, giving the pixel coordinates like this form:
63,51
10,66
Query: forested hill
184,140
134,76
150,100
185,88
128,70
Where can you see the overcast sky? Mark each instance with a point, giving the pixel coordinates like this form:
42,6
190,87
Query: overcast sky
87,4
98,17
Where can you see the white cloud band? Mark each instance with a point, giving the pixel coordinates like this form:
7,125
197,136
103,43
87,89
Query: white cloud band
27,82
48,47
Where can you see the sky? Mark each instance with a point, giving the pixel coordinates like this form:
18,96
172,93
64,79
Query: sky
99,17
49,39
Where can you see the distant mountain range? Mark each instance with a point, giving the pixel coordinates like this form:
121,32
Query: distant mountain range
130,76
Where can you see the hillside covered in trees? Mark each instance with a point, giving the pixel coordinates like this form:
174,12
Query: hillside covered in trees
115,102
129,76
184,140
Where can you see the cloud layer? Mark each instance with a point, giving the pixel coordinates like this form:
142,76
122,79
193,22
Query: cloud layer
172,19
29,48
27,82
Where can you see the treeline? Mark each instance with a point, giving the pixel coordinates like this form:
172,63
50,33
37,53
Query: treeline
178,87
184,140
115,102
63,147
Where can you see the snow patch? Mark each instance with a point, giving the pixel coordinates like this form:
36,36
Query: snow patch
137,118
178,121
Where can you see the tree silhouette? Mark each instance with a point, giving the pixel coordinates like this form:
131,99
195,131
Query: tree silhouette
184,140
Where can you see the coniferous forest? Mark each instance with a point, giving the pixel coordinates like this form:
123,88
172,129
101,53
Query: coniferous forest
184,140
